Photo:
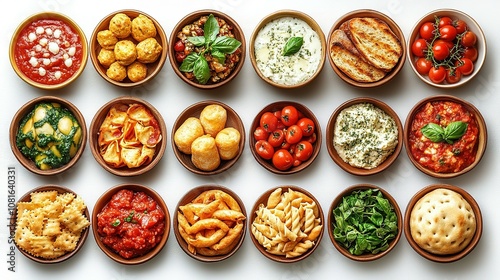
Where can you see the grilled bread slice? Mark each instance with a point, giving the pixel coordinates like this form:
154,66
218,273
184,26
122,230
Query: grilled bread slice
347,58
375,41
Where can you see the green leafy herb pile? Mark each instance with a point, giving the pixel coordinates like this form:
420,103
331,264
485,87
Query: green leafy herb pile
449,134
365,222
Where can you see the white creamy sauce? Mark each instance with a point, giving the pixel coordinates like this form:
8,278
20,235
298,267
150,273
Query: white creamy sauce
293,69
365,135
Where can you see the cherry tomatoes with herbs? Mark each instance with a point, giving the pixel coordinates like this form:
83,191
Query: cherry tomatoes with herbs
437,74
440,50
419,47
276,138
269,122
307,126
289,115
426,31
469,39
260,134
282,159
264,149
470,53
179,46
445,21
465,66
423,65
293,134
303,150
461,26
448,32
453,76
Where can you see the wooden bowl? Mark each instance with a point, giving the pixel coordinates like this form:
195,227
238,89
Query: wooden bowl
152,68
395,29
97,121
279,105
79,60
262,200
320,60
189,19
194,110
481,141
188,198
330,130
23,112
331,221
103,200
450,257
473,26
27,198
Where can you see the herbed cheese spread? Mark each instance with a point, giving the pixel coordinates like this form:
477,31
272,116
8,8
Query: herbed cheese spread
365,135
293,69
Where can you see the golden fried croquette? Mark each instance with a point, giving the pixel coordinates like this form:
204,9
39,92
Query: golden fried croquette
213,118
121,25
137,71
204,153
125,52
117,72
228,142
106,57
143,28
148,50
106,39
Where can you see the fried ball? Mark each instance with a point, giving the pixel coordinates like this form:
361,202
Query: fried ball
106,39
121,25
143,28
125,52
204,153
106,57
228,143
117,72
148,50
137,71
184,136
213,118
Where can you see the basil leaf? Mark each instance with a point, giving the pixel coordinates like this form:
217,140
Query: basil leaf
211,29
201,70
454,131
226,44
433,131
197,40
188,62
219,56
293,45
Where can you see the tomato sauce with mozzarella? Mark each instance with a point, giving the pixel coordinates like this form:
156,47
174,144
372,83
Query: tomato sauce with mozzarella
442,157
48,51
131,223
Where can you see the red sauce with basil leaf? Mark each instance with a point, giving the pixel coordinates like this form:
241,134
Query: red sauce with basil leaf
48,51
131,223
444,153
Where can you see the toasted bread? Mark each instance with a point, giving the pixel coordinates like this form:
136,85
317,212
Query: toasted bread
375,41
347,58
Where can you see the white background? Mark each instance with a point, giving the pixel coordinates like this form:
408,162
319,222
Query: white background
247,94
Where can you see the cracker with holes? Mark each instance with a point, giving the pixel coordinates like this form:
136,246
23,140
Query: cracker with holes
442,222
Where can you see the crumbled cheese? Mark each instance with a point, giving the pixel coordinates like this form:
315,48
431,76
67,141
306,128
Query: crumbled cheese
68,62
48,31
72,51
53,47
33,61
40,30
57,33
43,42
57,74
32,37
42,71
46,61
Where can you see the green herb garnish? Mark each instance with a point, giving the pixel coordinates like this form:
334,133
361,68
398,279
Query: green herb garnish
116,223
365,222
293,45
217,46
451,133
130,216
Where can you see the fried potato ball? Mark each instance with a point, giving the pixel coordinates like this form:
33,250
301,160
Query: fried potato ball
137,71
106,57
116,72
125,52
148,50
143,28
121,25
106,39
204,153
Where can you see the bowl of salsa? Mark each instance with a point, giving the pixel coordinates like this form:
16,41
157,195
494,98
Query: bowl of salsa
48,50
131,223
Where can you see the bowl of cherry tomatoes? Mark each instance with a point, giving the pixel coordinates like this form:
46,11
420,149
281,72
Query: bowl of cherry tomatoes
285,137
447,48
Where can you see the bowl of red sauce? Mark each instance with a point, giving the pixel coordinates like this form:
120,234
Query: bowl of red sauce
48,50
445,136
131,223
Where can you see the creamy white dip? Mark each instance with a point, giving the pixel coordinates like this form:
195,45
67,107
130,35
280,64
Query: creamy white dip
365,135
293,69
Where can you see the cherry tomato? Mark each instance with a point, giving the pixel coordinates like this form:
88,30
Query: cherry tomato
179,56
465,66
293,134
471,53
281,125
423,65
303,150
461,26
426,31
448,32
419,47
269,122
449,44
469,39
260,134
437,74
311,139
289,115
264,149
440,50
307,126
276,138
179,46
282,159
445,21
453,76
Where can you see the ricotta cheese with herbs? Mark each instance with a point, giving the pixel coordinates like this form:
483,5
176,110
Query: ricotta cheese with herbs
364,135
293,69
